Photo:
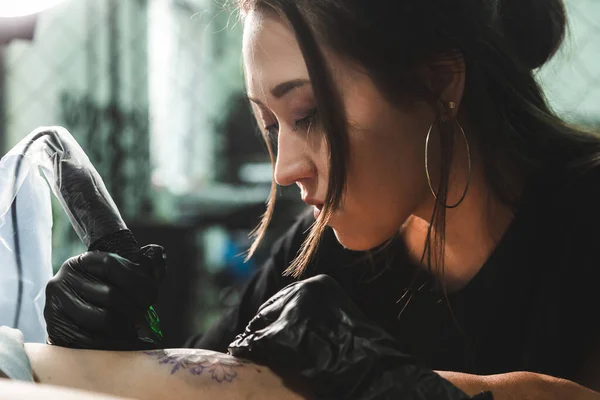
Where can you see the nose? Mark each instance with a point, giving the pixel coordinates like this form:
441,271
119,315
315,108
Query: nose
293,162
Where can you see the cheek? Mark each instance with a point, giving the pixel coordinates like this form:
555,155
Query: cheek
387,149
386,179
387,165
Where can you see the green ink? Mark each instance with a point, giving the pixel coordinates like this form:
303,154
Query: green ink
153,321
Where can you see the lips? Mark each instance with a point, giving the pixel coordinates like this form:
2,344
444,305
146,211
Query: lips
313,202
316,204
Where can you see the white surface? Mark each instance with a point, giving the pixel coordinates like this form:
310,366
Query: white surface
19,8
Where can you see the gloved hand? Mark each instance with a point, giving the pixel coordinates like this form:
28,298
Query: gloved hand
312,330
98,300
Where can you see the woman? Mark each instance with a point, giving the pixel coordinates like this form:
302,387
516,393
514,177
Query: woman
451,204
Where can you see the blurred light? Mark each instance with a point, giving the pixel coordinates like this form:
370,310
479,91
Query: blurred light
256,173
20,8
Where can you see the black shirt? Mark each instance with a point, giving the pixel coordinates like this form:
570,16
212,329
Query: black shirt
531,307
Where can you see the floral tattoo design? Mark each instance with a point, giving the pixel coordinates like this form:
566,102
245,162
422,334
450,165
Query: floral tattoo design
220,367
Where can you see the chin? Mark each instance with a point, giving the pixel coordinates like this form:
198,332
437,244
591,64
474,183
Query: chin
361,241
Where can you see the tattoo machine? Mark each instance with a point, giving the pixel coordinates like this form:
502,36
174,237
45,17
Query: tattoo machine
82,194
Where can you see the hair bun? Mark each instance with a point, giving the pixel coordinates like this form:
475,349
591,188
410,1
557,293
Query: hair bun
534,28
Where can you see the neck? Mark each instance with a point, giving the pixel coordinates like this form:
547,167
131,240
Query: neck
473,229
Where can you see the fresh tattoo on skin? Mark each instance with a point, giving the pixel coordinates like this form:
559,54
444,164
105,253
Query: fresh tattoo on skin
220,367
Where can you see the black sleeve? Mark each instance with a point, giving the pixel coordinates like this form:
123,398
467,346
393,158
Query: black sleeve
265,282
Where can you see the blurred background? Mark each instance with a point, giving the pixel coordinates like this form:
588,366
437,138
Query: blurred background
153,91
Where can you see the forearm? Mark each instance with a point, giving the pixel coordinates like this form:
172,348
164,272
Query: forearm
19,390
520,386
161,374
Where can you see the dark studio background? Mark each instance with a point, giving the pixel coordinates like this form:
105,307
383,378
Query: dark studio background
153,91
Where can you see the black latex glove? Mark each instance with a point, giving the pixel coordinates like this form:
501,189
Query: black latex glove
98,300
311,331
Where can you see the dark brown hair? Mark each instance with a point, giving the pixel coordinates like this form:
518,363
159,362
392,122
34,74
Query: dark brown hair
501,43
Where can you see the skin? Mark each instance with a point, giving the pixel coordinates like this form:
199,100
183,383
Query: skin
157,374
17,390
62,373
387,190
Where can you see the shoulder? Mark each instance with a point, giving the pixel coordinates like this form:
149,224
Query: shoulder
577,181
566,195
576,200
579,202
556,230
567,221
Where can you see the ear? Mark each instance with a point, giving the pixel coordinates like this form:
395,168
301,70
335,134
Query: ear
447,79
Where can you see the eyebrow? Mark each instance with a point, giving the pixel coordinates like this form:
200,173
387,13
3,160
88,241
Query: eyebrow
284,88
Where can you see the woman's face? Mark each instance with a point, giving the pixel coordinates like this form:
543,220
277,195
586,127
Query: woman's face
386,180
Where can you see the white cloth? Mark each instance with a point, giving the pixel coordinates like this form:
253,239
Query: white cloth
13,358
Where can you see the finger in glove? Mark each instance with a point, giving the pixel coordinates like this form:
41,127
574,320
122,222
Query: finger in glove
126,276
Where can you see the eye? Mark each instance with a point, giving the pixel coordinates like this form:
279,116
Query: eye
308,121
302,123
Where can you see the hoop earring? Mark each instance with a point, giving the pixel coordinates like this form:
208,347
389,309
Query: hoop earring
464,194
